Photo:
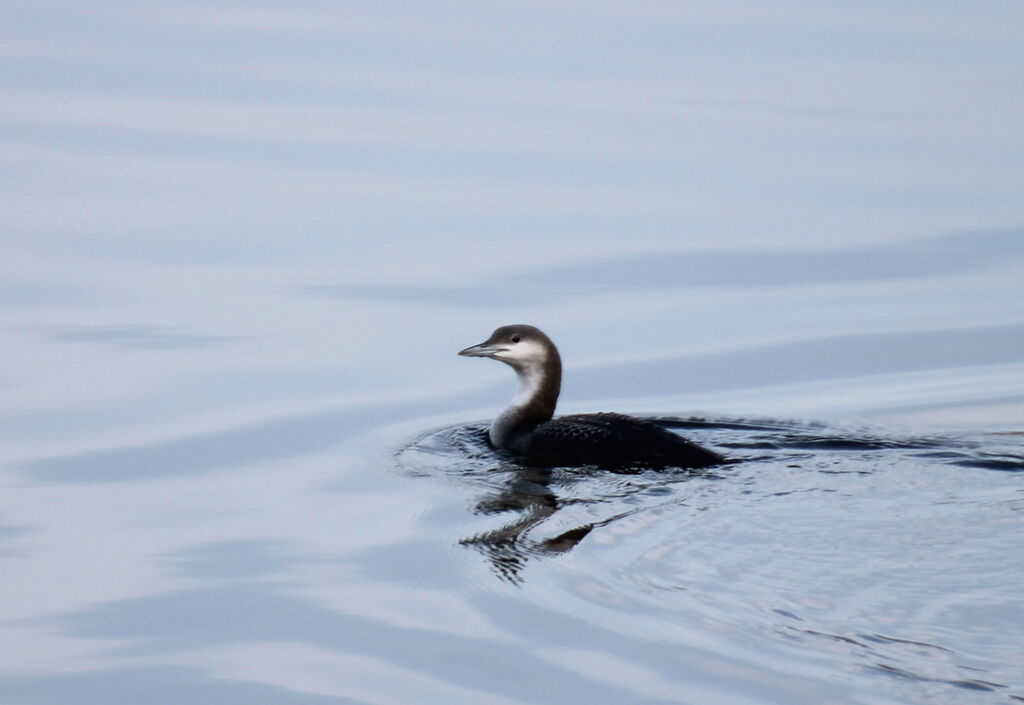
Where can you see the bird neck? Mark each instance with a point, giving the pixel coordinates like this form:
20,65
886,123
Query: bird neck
534,402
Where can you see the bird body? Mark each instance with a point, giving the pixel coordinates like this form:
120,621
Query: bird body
527,427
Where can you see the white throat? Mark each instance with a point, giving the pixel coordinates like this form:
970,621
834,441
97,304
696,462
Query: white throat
530,380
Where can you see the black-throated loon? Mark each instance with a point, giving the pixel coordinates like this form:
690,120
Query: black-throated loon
527,428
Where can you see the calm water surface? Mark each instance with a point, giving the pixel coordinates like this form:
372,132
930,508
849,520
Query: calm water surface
241,462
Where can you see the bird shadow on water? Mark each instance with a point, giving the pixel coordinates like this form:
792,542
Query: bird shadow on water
550,511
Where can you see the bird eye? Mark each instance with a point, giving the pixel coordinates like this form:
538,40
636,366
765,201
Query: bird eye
515,338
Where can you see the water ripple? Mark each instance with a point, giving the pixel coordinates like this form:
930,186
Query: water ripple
820,534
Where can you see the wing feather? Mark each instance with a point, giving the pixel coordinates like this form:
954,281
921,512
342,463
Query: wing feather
613,439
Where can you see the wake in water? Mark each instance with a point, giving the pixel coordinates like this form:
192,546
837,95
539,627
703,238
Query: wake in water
889,550
535,495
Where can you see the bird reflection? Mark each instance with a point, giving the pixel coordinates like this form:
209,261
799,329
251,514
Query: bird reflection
528,497
527,493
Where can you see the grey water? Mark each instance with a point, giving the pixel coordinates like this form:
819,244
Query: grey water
240,461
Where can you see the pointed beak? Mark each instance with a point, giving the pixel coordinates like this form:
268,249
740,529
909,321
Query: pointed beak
481,350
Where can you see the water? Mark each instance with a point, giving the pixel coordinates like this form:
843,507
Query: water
242,244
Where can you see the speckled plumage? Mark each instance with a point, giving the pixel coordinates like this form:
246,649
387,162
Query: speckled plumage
610,439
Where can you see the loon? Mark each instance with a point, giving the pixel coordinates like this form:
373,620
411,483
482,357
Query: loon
526,428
